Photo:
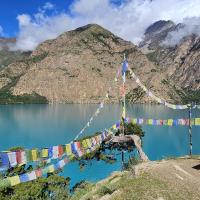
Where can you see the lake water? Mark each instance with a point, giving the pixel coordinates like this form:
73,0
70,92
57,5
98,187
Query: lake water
46,125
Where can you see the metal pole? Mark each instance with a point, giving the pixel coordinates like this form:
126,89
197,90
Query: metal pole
190,130
123,110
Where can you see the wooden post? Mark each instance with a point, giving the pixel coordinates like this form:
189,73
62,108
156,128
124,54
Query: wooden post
190,131
122,159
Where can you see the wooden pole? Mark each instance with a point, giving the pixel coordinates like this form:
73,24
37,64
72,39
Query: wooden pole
190,131
122,159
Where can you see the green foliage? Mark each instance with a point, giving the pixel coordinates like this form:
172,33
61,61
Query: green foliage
153,70
135,94
130,129
81,185
8,57
131,162
152,56
164,81
81,189
189,96
52,187
36,59
16,148
7,98
103,190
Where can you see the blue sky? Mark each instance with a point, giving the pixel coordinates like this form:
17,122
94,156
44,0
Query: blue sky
10,9
34,21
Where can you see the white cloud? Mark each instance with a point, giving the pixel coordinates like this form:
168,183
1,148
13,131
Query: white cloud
129,20
24,20
48,6
191,26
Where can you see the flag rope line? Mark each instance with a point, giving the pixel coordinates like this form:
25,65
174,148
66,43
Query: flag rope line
34,174
159,100
99,108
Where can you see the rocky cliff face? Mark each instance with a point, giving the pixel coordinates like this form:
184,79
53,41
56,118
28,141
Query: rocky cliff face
79,66
180,63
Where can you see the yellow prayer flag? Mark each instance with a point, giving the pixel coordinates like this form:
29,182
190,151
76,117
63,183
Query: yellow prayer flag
114,126
197,121
170,122
14,180
84,143
150,121
68,149
51,169
134,121
34,155
44,153
89,143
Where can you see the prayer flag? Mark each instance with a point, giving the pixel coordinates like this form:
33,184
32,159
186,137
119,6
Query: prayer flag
68,149
14,180
124,67
55,152
4,161
60,151
38,172
44,153
34,154
23,178
12,158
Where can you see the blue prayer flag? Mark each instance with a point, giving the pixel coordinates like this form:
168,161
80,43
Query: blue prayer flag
124,67
50,152
73,147
4,161
23,178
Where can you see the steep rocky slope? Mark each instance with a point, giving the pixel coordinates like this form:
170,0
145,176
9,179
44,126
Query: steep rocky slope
78,67
180,63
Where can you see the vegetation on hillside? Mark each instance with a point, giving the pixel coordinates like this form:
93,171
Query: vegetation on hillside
8,57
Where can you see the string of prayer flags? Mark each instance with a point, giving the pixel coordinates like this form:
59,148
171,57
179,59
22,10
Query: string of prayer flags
102,102
33,175
159,100
76,148
165,122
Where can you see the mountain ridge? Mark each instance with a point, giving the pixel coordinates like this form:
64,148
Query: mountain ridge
79,66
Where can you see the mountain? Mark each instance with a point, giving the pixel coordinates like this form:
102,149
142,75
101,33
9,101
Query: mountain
6,56
180,63
78,67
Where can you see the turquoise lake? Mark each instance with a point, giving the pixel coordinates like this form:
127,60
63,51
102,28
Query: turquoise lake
47,125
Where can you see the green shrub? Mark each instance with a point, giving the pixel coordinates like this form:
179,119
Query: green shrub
104,190
164,81
6,97
152,56
153,70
